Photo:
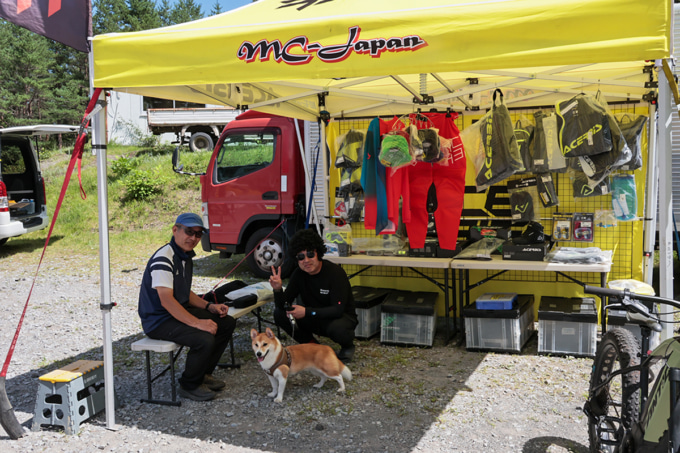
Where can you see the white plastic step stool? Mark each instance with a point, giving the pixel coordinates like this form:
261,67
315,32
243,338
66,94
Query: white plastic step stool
70,395
148,345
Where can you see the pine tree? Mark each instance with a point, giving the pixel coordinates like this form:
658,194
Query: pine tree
186,11
216,8
109,16
143,15
26,79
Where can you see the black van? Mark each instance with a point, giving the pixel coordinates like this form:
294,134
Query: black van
22,189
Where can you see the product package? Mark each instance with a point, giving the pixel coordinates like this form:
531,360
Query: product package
632,126
583,226
624,197
546,190
492,146
523,198
350,149
583,190
562,227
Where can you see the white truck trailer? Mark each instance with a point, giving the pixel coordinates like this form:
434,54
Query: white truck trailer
200,127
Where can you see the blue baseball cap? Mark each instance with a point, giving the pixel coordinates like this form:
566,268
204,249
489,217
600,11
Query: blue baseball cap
189,219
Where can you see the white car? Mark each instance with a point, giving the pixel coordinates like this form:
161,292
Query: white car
22,188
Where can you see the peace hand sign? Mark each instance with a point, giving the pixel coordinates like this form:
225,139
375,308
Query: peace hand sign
275,279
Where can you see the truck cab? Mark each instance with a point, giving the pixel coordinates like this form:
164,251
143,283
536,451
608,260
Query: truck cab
254,182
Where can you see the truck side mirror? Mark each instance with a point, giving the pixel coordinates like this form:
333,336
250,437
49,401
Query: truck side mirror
178,168
175,161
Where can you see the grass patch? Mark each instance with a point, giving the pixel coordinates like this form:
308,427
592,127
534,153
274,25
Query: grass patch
139,219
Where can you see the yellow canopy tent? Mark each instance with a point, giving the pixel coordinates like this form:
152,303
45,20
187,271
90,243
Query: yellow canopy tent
377,57
382,57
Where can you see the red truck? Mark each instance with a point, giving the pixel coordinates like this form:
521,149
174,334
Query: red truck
255,180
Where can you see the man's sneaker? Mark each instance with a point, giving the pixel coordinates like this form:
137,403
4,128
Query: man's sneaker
200,393
212,383
346,355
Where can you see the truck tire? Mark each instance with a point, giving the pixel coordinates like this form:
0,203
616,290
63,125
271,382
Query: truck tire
200,141
267,253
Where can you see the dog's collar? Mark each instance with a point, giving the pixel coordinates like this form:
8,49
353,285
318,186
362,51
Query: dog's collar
282,360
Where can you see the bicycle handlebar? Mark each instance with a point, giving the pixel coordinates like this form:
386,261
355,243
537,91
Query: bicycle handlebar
632,302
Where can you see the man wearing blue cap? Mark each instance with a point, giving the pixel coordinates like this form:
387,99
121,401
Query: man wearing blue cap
171,311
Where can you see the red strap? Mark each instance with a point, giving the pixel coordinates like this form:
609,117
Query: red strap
75,156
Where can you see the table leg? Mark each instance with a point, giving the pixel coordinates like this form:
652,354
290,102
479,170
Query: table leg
446,306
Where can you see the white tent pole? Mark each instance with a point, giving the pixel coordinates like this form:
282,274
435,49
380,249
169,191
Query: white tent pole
308,177
665,201
99,147
651,198
326,177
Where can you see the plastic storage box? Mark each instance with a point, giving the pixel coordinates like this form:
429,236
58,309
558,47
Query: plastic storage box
500,330
409,318
618,318
367,301
496,301
567,326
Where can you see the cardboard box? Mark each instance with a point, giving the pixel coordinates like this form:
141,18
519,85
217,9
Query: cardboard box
525,252
409,318
567,326
500,330
367,302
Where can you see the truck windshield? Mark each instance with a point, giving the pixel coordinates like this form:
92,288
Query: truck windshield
242,154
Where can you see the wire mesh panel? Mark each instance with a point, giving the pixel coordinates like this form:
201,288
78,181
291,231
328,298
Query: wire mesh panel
491,207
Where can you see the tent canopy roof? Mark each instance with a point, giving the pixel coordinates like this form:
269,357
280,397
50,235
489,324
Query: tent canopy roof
384,57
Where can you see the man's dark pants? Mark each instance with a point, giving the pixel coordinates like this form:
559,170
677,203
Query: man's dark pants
205,349
339,330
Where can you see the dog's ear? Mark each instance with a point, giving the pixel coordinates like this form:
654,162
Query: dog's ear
253,333
269,333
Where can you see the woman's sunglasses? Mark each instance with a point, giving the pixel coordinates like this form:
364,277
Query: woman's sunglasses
310,254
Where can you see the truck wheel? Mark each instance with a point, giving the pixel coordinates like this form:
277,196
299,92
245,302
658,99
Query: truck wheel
267,253
200,141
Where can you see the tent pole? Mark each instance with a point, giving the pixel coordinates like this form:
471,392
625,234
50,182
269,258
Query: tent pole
651,198
99,147
308,178
665,201
324,160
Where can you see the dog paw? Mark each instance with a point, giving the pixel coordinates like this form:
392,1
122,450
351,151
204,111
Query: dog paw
271,395
318,386
278,400
341,390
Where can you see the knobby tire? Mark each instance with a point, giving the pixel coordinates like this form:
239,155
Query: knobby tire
620,398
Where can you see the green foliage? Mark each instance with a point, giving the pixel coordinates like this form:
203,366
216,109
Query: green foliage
186,11
216,9
139,137
143,184
122,166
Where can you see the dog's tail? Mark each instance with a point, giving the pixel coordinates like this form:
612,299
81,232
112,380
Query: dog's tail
346,373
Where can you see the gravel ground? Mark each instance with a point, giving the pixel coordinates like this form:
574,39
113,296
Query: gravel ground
402,399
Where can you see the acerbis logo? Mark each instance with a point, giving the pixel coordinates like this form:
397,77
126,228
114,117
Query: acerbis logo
579,141
52,7
585,190
488,158
263,50
522,208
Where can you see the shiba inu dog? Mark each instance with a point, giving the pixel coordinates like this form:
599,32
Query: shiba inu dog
279,362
